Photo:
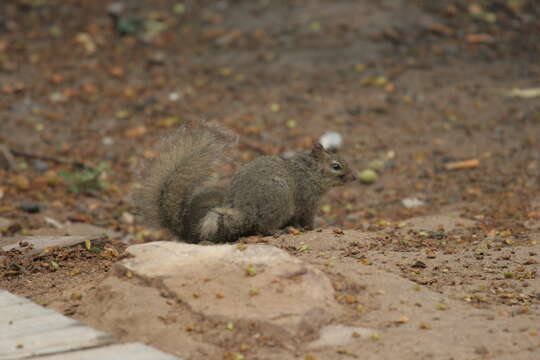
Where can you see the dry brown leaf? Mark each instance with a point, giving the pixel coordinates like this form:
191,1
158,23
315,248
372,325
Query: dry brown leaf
136,131
479,39
466,164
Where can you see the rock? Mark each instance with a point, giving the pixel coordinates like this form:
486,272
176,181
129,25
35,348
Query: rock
127,218
157,58
334,335
410,203
30,207
115,8
107,141
257,283
331,141
36,244
40,165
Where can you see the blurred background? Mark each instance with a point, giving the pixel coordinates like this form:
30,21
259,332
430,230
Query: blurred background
438,102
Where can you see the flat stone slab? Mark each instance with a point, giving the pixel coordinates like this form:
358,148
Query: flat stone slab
246,282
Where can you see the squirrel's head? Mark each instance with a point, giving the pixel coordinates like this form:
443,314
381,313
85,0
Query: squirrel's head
334,168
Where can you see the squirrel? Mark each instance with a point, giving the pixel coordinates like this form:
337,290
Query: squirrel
265,195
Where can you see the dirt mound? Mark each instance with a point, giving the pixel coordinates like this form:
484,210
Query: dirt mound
259,302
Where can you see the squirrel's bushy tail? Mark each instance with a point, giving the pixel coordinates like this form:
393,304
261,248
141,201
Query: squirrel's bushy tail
184,163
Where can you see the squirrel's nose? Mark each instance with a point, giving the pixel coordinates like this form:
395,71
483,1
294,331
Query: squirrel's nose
352,177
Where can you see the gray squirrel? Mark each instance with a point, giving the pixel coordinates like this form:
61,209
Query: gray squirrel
265,195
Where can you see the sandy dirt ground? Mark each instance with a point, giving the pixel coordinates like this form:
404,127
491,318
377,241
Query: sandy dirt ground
440,99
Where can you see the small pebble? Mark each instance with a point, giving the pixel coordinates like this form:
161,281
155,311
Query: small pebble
29,207
331,141
287,154
157,58
116,8
174,96
127,218
40,165
107,141
410,203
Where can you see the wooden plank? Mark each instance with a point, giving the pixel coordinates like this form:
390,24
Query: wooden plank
40,243
6,298
23,311
115,352
59,340
13,329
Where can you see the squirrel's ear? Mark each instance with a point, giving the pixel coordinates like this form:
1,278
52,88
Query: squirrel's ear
317,152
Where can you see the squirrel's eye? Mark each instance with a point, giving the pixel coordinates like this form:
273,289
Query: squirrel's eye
336,166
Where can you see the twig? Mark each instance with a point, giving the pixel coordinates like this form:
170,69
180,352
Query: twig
56,160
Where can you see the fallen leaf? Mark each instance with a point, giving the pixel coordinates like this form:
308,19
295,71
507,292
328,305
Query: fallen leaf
136,131
22,182
294,231
466,164
525,93
441,29
251,271
442,307
169,121
479,39
116,71
403,320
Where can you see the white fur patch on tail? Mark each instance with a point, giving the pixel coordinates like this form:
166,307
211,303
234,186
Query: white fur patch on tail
209,225
230,219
